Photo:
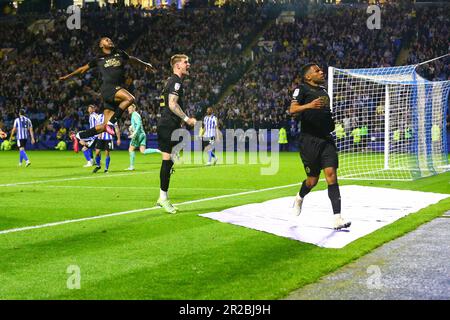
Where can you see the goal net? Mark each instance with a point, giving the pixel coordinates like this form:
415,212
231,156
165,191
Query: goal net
390,123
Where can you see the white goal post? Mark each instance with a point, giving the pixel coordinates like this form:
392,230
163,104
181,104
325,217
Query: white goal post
390,123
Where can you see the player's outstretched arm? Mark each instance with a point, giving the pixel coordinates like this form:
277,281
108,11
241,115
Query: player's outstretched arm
218,135
175,108
138,62
33,141
80,70
13,131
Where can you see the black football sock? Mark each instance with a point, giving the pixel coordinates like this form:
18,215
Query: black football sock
335,197
164,174
87,133
304,190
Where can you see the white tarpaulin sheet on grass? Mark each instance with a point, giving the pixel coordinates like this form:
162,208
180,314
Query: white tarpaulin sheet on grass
368,209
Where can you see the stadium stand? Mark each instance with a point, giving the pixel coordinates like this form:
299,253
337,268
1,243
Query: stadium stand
247,93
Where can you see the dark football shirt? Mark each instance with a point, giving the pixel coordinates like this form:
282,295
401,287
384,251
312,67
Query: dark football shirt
174,85
111,67
316,122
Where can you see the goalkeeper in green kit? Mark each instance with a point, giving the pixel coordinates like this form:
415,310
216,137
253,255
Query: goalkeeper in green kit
138,137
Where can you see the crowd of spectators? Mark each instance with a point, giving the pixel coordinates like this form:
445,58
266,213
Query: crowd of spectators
327,36
432,39
215,39
30,76
17,35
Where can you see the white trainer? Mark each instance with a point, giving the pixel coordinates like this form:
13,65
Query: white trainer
129,169
298,202
89,164
340,223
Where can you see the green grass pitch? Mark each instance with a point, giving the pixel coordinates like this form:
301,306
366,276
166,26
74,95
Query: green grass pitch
150,254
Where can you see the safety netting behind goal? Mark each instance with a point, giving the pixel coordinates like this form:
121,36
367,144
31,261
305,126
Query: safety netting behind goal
390,123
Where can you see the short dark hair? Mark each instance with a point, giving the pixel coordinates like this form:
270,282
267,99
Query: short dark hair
101,39
21,112
304,69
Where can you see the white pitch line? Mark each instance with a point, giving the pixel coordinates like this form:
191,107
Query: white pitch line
58,223
143,188
77,178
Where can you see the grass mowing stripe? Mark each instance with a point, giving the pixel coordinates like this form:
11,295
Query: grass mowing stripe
74,179
154,255
110,175
143,188
53,224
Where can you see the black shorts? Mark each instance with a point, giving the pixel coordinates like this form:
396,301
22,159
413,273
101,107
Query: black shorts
208,142
21,143
165,143
109,106
104,145
90,144
109,95
317,154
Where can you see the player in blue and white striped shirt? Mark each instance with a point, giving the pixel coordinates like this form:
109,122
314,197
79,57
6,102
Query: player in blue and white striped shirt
89,143
105,142
24,128
209,133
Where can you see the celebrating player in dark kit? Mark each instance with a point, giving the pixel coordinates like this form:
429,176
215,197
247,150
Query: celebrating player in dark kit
171,115
317,147
111,65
